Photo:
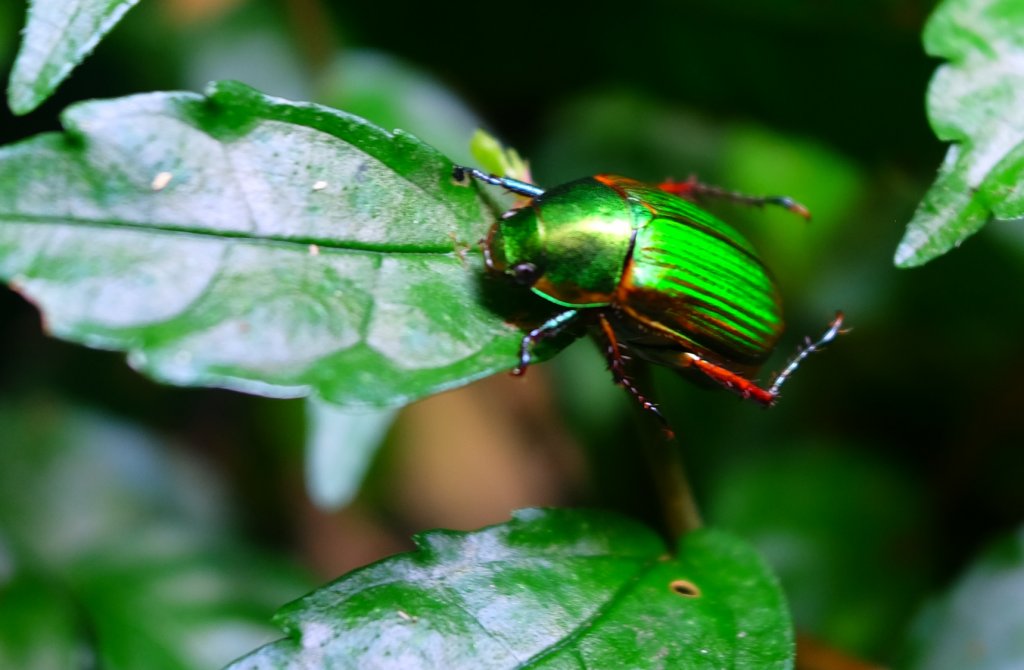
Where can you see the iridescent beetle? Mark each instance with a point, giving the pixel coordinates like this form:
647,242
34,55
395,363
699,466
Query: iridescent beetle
654,272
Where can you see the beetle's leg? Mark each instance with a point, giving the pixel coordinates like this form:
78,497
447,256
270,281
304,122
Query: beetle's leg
549,328
693,189
617,364
738,384
808,348
523,188
748,389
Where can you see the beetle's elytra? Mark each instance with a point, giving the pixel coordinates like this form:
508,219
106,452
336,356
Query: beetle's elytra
652,271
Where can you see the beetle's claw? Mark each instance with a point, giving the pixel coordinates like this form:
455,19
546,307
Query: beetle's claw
790,204
666,429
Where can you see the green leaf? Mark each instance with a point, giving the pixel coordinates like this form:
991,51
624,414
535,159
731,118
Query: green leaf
39,624
979,624
551,589
114,552
975,101
58,35
340,446
252,243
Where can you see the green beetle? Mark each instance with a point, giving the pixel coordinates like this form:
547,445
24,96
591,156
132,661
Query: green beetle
655,273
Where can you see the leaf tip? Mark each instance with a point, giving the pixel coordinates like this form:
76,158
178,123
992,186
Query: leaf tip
908,252
22,99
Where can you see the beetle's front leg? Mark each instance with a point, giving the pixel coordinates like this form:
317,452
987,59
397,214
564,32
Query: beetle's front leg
549,328
459,173
692,189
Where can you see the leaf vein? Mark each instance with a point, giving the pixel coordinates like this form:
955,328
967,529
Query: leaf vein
591,621
442,249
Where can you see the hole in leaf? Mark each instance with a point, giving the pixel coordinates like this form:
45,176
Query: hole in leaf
685,588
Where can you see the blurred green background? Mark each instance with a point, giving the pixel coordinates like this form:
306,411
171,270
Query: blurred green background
894,456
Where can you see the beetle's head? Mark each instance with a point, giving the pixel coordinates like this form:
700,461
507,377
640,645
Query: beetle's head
569,245
513,247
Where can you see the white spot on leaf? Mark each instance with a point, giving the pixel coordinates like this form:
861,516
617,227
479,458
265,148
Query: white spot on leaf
161,180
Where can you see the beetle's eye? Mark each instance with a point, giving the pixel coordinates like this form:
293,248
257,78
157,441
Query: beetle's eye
525,273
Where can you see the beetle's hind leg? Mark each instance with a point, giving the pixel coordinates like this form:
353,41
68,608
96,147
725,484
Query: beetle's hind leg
617,365
691,189
729,380
748,389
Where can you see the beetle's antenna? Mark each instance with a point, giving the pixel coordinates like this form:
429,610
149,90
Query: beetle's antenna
809,347
527,189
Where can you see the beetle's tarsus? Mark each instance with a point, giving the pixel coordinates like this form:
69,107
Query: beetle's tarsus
787,203
516,186
549,328
835,329
524,352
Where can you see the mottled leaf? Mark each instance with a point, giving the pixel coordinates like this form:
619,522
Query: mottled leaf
58,35
549,589
975,101
248,242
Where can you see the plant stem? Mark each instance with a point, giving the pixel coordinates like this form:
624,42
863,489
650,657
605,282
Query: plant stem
678,507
